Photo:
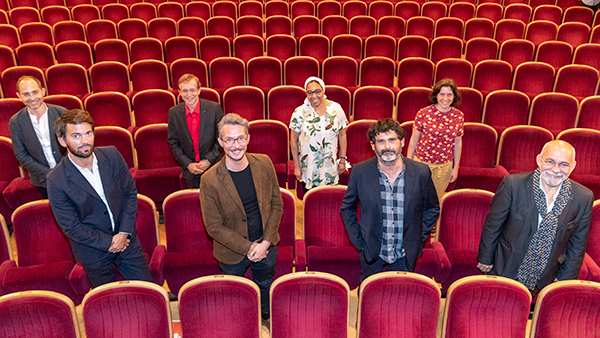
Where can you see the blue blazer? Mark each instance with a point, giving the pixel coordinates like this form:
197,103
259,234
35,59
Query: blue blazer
28,148
80,211
421,209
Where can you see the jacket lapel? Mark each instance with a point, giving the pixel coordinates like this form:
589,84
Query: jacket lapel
228,184
374,182
106,175
77,178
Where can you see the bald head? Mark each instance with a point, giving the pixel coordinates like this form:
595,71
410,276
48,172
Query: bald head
556,162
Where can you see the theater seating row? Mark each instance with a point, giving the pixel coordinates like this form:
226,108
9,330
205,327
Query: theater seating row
299,301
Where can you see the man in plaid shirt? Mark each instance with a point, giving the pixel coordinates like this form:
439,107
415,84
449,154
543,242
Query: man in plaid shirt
398,204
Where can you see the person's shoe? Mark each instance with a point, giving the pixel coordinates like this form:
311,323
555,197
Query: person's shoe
267,323
172,297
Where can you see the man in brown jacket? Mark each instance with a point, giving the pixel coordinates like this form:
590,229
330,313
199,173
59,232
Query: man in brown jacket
242,208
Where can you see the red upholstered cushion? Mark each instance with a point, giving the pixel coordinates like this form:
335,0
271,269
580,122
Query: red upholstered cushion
182,267
340,261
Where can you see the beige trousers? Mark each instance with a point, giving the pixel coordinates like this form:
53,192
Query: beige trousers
440,175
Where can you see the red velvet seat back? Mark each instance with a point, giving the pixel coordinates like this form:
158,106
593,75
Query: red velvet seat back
479,146
9,166
341,71
68,30
64,100
70,79
567,309
373,102
519,145
587,116
281,46
377,71
226,306
497,306
127,309
593,248
149,74
226,72
461,219
491,75
586,143
246,47
457,69
180,47
471,104
334,25
314,45
505,108
271,138
323,225
299,68
356,133
282,101
110,109
247,101
118,137
35,54
347,45
184,226
152,147
446,47
38,314
152,106
533,78
415,72
264,72
146,48
410,100
398,304
8,107
39,238
112,50
580,81
309,304
191,66
554,111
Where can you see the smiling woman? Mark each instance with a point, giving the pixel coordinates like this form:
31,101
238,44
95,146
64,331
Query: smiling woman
437,135
315,128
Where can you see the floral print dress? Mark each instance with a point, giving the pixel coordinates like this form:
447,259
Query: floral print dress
318,142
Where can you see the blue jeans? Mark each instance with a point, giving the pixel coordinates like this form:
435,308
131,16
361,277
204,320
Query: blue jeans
263,273
367,269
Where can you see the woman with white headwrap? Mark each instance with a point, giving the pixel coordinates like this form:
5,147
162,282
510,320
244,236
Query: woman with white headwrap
316,127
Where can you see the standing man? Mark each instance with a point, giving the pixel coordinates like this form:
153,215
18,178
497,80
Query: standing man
398,204
94,200
193,131
32,132
538,226
242,208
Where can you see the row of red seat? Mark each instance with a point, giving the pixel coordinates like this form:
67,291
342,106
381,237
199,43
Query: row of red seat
538,31
405,9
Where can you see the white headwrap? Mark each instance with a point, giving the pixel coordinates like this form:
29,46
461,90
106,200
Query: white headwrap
314,78
309,80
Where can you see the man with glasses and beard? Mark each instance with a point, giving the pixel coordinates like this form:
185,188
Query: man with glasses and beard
242,208
398,204
539,222
94,200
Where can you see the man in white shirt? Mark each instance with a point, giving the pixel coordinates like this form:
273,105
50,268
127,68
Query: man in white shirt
539,222
94,200
32,132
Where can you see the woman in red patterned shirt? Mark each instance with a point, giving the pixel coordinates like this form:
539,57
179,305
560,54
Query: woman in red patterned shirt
437,135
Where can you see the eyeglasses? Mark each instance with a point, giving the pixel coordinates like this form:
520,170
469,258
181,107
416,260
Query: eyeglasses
230,140
563,165
316,92
192,91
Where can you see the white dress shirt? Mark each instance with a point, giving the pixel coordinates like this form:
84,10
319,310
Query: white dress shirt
93,177
42,131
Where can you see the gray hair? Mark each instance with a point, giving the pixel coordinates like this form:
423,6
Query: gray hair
233,119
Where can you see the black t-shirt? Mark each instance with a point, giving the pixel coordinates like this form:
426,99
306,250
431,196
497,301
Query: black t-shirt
245,187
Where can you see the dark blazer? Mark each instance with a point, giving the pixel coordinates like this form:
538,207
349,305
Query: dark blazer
28,148
513,220
223,212
81,213
180,140
421,209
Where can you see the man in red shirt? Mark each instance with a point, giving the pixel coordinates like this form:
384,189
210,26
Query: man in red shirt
193,131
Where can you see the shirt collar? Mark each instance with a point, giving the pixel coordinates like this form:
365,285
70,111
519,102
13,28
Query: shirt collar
33,117
94,165
195,111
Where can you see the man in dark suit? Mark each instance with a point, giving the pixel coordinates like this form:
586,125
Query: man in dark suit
538,225
94,200
32,132
193,131
398,204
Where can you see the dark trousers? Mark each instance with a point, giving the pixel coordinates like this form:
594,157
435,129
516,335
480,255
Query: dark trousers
379,265
263,273
43,191
131,264
194,183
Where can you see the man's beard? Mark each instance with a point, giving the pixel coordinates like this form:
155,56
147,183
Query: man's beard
80,153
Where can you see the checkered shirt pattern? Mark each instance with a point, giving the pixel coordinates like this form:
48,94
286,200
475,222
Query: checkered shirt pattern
392,210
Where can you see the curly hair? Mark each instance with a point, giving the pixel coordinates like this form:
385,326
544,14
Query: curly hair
383,126
438,87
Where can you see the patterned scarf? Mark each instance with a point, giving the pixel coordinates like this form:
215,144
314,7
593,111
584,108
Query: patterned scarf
539,249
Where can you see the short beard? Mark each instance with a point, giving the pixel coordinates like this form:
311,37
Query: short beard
81,154
389,162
